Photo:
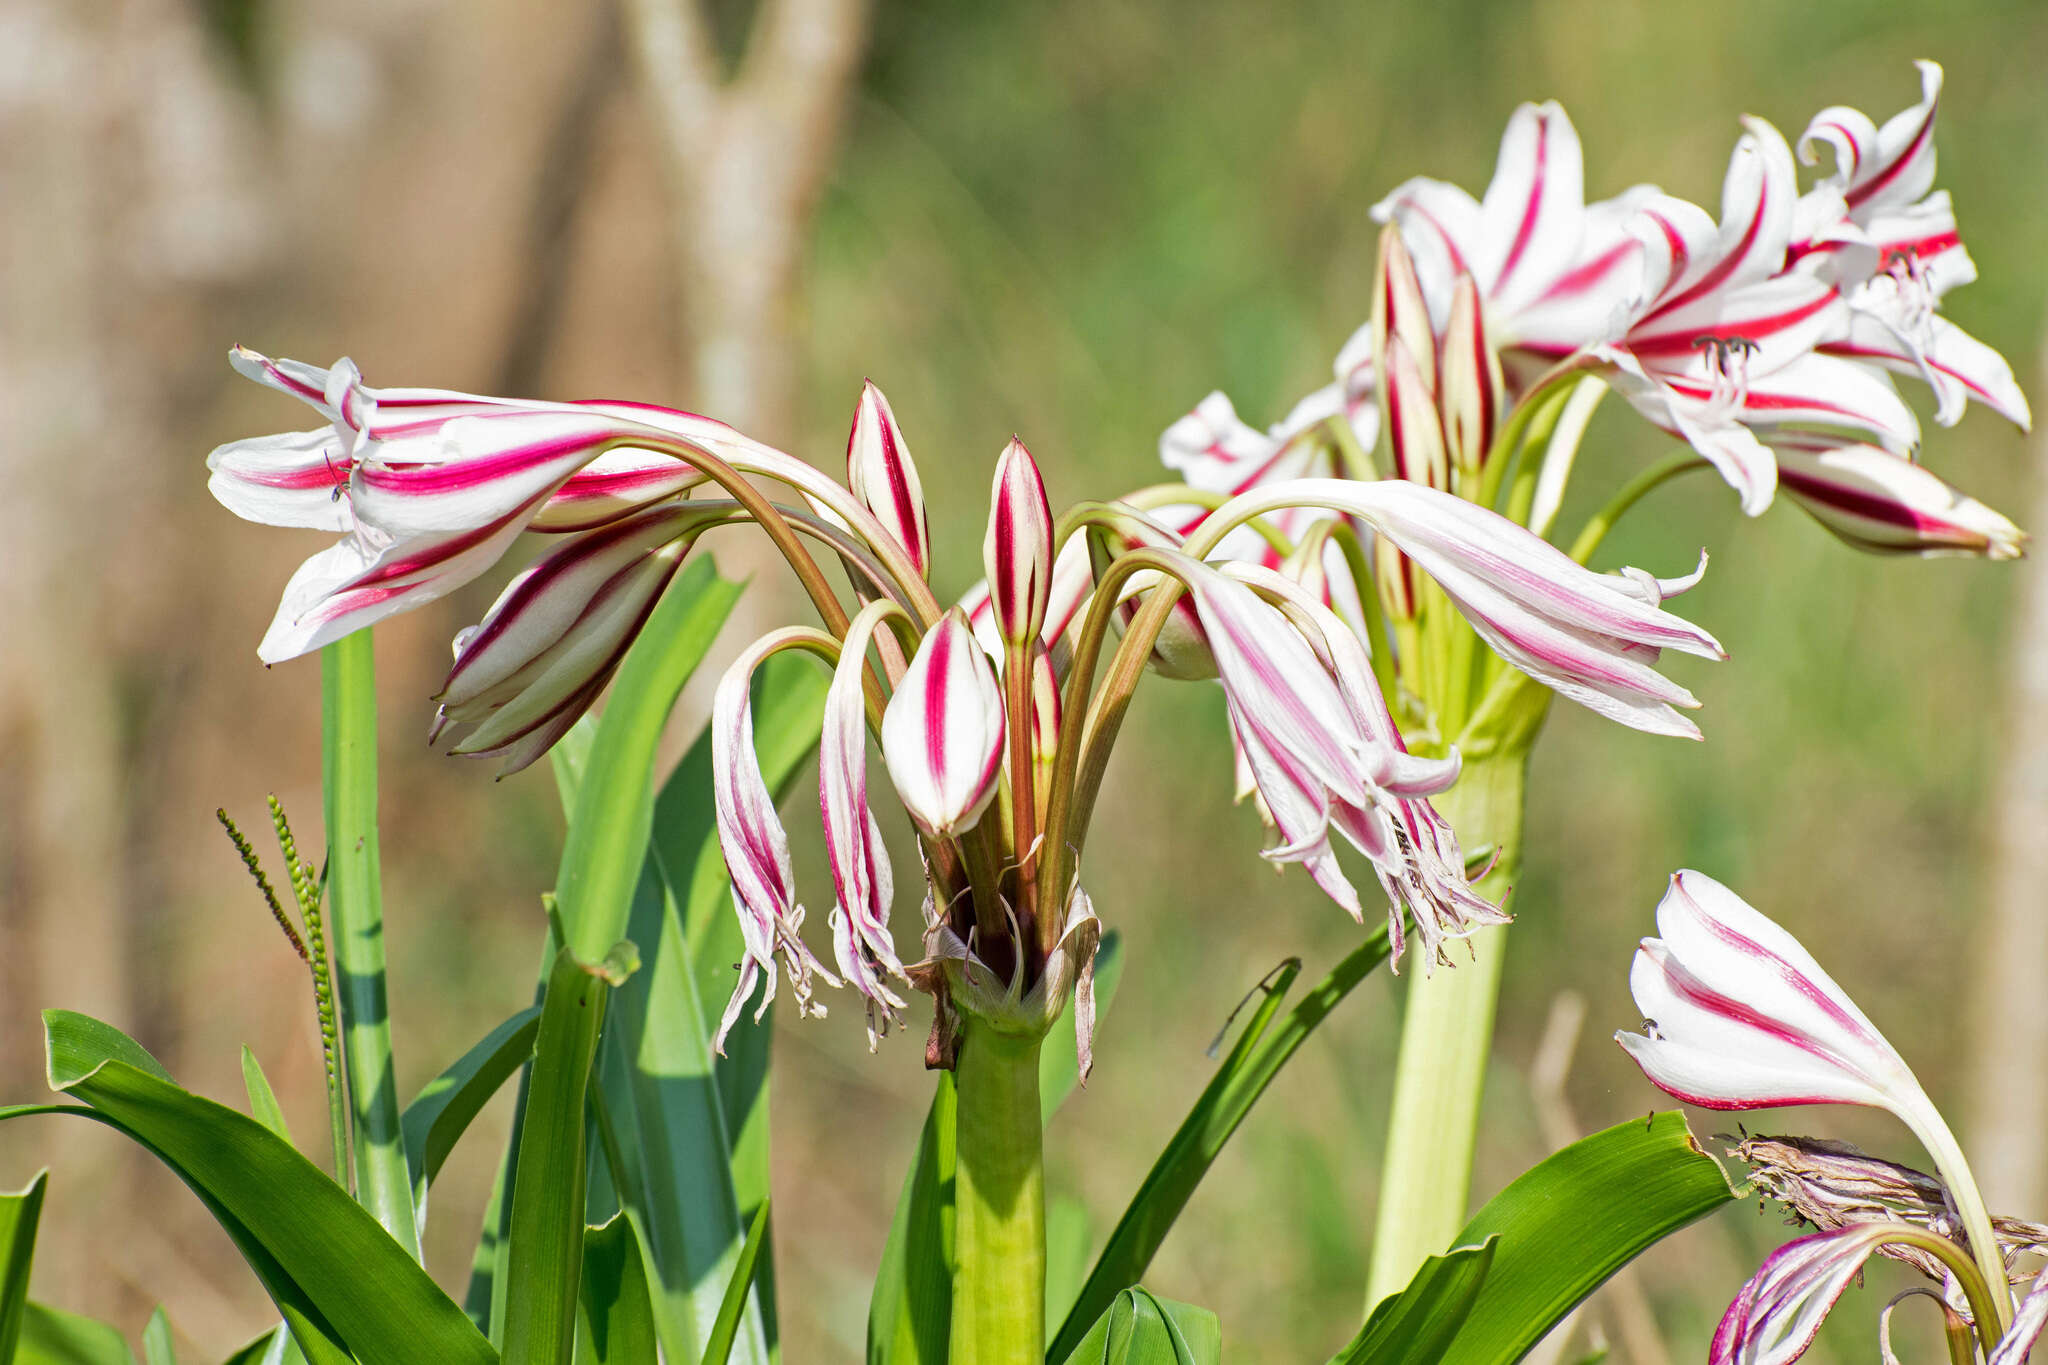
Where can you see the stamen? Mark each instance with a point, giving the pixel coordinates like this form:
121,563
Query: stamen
1910,276
1727,360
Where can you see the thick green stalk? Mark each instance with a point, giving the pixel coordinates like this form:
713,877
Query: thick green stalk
999,1201
1446,1034
355,906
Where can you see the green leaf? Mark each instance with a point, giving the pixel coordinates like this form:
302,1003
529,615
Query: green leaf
607,839
50,1336
693,1128
570,758
19,1215
1262,1050
546,1261
156,1340
1059,1060
1575,1218
1415,1326
617,1324
910,1312
1068,1238
1139,1328
444,1108
263,1105
268,1349
718,1350
334,1273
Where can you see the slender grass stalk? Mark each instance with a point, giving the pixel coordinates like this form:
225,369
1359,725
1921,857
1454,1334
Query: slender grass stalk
308,889
999,1202
348,696
1446,1034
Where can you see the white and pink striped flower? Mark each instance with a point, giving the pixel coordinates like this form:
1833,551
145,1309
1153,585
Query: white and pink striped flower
1382,808
1878,502
1017,550
1878,230
880,472
1555,273
942,735
549,644
862,944
756,849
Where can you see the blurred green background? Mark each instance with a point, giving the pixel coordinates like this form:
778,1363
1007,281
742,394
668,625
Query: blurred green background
1067,221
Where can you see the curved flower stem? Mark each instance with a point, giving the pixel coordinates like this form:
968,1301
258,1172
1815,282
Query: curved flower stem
1628,495
999,1201
1094,727
1446,1034
1948,1156
1987,1304
348,703
1094,512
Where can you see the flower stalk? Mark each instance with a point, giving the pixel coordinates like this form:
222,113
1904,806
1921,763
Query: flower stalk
1446,1035
348,692
999,1200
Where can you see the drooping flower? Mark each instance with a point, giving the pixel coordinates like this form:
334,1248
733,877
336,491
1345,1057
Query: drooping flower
1780,1309
1414,852
555,636
1590,636
862,944
756,849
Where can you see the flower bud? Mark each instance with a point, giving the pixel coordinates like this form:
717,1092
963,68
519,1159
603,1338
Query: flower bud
882,475
1399,310
942,735
1413,429
1045,724
1886,504
1470,391
1017,552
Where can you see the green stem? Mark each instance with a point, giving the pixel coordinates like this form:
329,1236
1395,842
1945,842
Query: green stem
348,697
1445,1037
999,1201
1601,522
1949,1160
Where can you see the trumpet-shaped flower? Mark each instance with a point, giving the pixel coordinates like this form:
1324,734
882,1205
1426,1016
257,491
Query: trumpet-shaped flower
544,651
1742,1017
942,735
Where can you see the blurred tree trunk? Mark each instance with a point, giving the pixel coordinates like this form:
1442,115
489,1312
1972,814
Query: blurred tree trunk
124,152
746,156
2008,1113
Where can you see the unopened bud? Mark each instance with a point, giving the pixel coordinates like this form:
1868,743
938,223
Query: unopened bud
1413,429
882,475
1399,310
1470,389
1017,552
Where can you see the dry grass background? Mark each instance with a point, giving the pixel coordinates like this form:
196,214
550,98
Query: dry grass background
1068,221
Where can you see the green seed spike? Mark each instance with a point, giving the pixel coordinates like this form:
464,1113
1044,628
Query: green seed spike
262,882
307,888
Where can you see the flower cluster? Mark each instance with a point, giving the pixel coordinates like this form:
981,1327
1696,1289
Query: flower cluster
987,707
1739,1016
1766,341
